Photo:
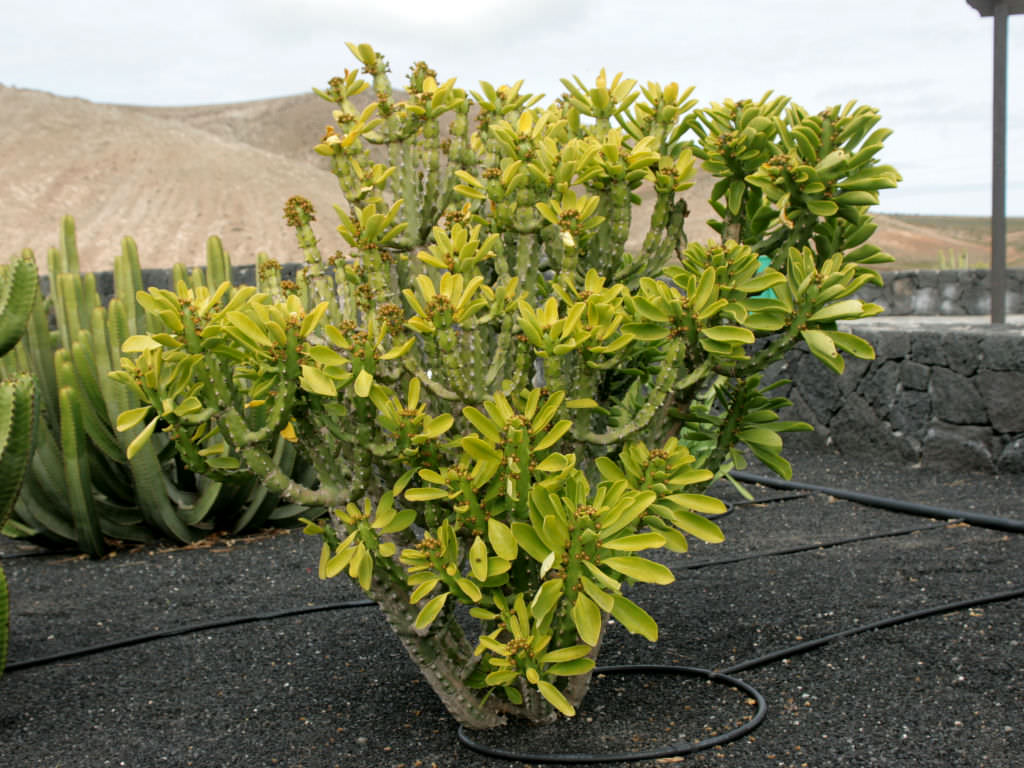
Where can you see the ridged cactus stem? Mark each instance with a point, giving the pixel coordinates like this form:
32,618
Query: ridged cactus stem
663,382
127,283
68,246
455,363
409,182
441,655
553,378
658,233
378,275
726,438
67,299
17,424
260,463
778,346
435,387
268,277
18,293
325,458
479,358
526,260
499,363
277,481
76,473
614,232
300,215
218,264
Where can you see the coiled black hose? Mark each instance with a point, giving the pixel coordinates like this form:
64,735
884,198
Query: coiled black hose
673,750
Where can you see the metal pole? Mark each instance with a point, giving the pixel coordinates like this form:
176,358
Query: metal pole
998,269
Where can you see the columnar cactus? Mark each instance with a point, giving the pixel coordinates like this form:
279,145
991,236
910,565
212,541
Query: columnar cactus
503,404
18,291
82,490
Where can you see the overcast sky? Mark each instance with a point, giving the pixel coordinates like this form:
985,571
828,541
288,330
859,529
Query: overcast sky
925,64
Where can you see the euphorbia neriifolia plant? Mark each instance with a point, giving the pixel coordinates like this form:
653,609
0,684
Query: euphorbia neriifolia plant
505,406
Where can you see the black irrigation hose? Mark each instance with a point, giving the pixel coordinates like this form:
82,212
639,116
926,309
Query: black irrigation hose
673,750
183,630
809,547
894,505
40,553
809,645
770,499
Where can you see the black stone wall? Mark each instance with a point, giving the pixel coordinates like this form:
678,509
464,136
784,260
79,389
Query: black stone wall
943,396
943,292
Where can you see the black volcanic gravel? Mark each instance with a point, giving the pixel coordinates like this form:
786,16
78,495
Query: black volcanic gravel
335,688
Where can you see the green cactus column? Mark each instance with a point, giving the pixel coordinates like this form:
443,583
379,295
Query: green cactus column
18,289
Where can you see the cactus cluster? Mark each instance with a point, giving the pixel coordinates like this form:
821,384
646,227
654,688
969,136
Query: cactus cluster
19,287
81,489
503,404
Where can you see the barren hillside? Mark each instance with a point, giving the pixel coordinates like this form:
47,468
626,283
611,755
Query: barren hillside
169,183
171,177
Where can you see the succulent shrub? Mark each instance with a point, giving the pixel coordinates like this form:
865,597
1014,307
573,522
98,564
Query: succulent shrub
81,490
504,404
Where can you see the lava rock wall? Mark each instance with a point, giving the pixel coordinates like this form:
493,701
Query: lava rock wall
948,396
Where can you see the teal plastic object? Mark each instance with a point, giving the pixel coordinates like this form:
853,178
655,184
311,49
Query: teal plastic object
765,262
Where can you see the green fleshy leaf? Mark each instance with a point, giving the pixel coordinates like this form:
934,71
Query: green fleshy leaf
530,541
478,559
402,520
502,541
430,611
729,334
634,618
641,569
546,598
364,381
587,618
569,653
142,438
570,668
556,698
426,494
609,469
313,380
636,542
130,418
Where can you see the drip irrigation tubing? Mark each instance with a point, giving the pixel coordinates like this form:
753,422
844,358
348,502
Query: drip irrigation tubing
894,505
673,750
811,547
186,629
40,553
769,499
890,621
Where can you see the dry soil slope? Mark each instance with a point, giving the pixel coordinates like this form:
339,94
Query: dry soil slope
168,183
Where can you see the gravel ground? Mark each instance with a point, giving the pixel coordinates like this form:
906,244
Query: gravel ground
335,688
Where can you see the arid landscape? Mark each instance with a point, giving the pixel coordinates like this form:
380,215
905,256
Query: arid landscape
171,177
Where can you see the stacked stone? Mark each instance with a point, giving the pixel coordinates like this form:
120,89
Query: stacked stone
941,396
943,292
